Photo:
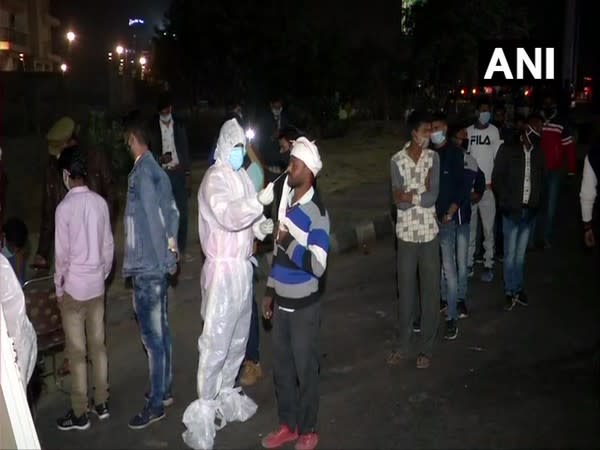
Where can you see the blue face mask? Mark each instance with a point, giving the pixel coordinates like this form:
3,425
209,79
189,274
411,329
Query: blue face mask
484,117
438,137
236,158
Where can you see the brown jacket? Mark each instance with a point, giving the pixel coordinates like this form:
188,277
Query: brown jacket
99,180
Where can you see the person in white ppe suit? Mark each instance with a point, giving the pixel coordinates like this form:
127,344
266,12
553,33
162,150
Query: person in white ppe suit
230,217
18,325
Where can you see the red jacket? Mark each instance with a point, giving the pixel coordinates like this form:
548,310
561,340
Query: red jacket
557,143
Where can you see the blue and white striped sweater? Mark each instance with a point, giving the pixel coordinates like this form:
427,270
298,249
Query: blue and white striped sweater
300,260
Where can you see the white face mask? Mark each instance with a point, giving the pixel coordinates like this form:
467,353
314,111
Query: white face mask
65,176
276,111
166,117
438,137
421,141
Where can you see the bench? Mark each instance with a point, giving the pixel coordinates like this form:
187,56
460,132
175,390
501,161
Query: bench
44,314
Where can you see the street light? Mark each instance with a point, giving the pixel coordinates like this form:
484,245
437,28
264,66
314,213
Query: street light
120,50
143,60
63,67
70,36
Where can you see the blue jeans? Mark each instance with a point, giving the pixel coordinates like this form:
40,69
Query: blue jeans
150,305
462,256
552,184
516,238
449,282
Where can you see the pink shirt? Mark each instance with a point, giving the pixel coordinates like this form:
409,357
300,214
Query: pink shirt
83,245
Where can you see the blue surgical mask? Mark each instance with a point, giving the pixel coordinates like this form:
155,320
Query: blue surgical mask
438,137
484,117
236,158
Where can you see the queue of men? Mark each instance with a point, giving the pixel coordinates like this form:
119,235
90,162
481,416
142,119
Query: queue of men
444,179
447,178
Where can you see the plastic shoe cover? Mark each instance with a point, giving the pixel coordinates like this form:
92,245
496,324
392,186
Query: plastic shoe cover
199,419
235,405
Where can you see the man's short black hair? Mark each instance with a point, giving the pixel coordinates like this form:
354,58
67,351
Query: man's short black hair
416,119
164,100
289,132
233,102
453,129
550,94
138,128
71,159
534,116
519,117
15,232
484,100
439,116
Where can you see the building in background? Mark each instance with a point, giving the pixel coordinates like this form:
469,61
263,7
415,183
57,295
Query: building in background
26,30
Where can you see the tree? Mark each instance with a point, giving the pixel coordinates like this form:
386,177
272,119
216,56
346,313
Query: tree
446,34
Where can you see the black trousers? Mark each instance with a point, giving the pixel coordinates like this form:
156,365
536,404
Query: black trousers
177,178
296,366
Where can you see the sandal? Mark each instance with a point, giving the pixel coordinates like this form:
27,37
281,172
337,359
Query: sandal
423,361
395,357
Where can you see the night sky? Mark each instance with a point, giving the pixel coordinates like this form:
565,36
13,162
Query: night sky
100,25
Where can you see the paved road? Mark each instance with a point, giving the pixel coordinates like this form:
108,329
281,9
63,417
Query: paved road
524,379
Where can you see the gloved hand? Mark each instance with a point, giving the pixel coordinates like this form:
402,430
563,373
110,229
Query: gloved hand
266,227
267,195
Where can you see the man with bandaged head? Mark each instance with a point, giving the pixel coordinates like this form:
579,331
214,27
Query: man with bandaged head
292,300
230,217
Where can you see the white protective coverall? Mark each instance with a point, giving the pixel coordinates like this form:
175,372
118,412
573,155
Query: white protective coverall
19,327
229,220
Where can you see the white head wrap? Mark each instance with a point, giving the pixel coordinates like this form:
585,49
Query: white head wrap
307,152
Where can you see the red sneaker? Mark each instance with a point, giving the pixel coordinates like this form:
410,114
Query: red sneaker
307,442
280,437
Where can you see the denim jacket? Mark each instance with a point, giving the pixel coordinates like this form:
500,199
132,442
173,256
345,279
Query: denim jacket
151,218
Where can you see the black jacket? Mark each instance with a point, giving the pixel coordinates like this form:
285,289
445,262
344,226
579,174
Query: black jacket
268,144
181,141
452,177
509,175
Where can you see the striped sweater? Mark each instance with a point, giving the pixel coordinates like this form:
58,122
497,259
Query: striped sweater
300,259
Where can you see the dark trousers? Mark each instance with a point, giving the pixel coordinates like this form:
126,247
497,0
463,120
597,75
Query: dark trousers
418,276
296,366
177,178
499,235
252,353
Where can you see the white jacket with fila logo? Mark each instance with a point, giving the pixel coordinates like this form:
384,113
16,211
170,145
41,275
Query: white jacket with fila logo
483,146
